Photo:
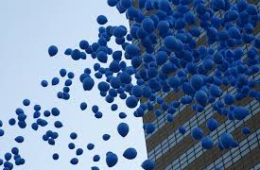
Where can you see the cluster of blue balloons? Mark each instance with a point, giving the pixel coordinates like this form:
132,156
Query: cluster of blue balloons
179,64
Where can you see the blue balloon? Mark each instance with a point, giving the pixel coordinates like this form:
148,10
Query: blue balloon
123,129
161,57
90,146
19,139
2,132
148,165
26,102
226,140
102,20
196,82
73,135
182,130
84,44
71,146
55,81
197,133
240,113
8,156
114,107
88,83
201,97
148,25
130,153
74,161
233,32
112,3
42,122
131,101
55,156
96,158
163,27
53,50
79,151
12,122
212,124
246,130
15,150
63,72
122,115
132,50
173,44
102,56
215,91
46,113
68,83
44,83
218,4
58,124
83,106
207,142
125,77
229,99
115,82
106,137
149,128
55,111
119,32
103,86
111,159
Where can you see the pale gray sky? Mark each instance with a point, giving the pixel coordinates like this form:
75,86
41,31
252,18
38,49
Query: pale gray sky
27,29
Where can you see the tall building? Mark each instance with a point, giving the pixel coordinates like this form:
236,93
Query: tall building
173,151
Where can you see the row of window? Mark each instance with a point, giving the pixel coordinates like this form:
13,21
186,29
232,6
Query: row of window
229,126
257,167
234,155
196,120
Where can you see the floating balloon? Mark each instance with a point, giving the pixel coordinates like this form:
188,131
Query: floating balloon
96,158
55,111
173,44
88,83
182,130
26,102
197,133
53,50
55,156
148,165
240,113
83,106
84,44
212,124
201,97
131,102
90,146
123,129
19,139
149,128
197,82
55,81
246,130
2,132
79,151
111,159
74,161
226,140
102,56
44,83
130,153
207,142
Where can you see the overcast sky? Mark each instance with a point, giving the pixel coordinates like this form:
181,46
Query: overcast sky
27,29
